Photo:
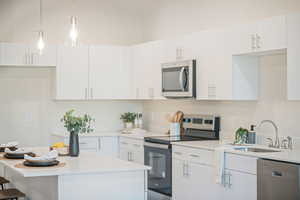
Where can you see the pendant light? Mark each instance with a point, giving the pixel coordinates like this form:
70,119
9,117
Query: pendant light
74,27
41,42
74,31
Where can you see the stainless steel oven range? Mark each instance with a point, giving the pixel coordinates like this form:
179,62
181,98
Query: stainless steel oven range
158,150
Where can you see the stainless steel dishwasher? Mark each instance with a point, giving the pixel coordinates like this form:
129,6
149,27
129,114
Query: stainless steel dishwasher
277,180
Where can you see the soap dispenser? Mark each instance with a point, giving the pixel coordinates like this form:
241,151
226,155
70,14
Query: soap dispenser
251,135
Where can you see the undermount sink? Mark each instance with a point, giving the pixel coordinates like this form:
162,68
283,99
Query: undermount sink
256,150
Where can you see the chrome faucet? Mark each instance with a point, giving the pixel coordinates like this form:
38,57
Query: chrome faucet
277,142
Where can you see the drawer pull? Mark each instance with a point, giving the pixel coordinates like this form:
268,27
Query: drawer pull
178,153
125,143
276,173
195,156
82,143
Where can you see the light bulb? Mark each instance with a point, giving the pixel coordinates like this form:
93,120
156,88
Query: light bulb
74,31
40,43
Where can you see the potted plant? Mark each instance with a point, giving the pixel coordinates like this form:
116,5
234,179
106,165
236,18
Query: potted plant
241,135
128,119
76,125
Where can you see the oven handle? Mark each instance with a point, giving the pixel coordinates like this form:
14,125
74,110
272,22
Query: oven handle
160,146
181,78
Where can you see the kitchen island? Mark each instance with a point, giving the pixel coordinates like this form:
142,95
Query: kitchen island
89,176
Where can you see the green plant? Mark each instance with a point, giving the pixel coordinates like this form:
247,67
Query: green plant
128,117
241,135
77,124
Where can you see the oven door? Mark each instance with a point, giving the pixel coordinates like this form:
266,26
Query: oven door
158,156
178,79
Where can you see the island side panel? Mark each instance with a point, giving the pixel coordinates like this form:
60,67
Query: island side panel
35,188
131,185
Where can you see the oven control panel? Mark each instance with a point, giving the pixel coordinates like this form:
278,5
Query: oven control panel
202,122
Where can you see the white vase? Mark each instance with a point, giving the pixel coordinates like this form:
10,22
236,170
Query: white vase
128,125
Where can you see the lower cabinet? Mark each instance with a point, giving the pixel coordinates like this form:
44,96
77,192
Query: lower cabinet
192,181
104,145
240,186
132,150
194,176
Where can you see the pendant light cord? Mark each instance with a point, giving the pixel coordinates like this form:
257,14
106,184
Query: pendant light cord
41,14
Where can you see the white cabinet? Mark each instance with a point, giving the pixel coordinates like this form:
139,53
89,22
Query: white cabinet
293,59
109,146
110,72
240,177
221,76
266,35
240,186
104,145
72,73
132,150
147,59
193,181
26,55
15,54
48,57
193,174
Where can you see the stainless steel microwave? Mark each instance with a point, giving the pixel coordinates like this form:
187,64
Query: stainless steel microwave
179,79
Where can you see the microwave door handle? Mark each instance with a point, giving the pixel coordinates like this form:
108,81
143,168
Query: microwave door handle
181,78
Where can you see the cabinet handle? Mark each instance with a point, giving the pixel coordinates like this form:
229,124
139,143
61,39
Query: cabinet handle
136,145
183,168
82,143
194,155
128,156
253,41
124,143
92,93
229,180
137,93
99,144
31,58
178,153
257,41
86,93
187,170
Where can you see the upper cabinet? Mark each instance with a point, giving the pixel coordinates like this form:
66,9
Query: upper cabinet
293,59
265,35
110,72
24,55
72,73
147,59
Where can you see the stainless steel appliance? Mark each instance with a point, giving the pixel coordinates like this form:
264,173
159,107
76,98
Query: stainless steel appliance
179,79
158,150
278,180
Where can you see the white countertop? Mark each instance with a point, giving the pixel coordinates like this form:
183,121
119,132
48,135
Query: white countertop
141,136
87,162
283,155
94,134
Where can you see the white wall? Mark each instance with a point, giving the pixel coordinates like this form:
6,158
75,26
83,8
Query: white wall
170,18
100,21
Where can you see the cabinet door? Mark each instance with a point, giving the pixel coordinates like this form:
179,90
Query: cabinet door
124,153
293,60
109,146
242,39
47,58
137,157
109,72
180,183
142,58
240,186
272,34
155,85
72,73
14,54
